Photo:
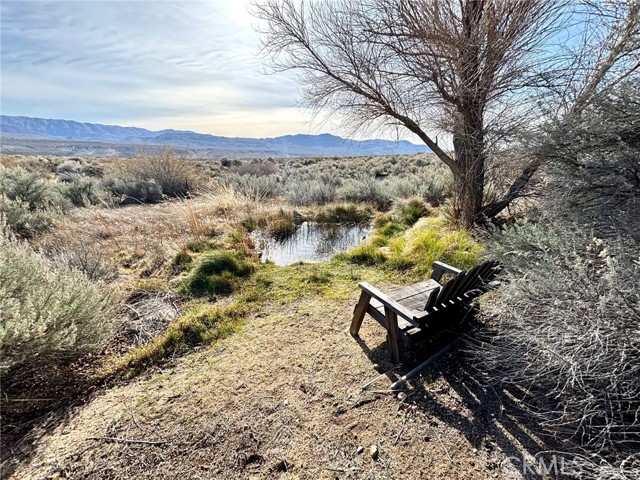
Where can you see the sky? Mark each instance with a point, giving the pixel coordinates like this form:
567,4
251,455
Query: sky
188,65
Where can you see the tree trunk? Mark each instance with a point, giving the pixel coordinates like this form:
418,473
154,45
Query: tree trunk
468,144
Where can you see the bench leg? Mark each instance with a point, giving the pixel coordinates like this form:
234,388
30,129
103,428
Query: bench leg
392,334
359,312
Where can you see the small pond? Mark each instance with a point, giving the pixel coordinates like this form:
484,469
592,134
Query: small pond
311,242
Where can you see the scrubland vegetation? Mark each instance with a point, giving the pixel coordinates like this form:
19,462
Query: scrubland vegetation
85,242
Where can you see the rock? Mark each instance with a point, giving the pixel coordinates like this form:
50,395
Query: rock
359,450
374,452
402,396
286,402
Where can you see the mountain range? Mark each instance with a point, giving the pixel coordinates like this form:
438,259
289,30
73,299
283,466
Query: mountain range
29,135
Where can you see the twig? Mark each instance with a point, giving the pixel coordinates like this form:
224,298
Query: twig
350,469
127,440
404,420
443,446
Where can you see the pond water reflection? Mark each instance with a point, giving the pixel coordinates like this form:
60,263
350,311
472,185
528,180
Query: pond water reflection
311,242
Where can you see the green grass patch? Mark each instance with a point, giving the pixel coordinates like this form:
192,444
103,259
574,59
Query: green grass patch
366,253
216,273
200,324
395,246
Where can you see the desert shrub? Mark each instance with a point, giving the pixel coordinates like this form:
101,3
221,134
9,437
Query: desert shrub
48,312
367,190
319,190
568,336
22,221
216,274
566,332
29,202
129,190
432,187
83,192
70,170
172,173
80,254
256,168
255,188
347,213
33,190
593,160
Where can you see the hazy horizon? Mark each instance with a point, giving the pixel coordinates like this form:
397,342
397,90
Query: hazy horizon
152,64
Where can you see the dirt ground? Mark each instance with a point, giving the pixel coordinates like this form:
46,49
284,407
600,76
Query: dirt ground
283,398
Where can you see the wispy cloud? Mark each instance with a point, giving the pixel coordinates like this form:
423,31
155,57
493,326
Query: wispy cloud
155,64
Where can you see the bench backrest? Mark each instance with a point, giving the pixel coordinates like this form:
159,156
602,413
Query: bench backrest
465,285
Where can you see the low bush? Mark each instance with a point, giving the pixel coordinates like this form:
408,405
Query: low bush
49,312
567,336
83,192
216,274
343,214
29,202
255,188
129,190
367,190
70,170
173,173
80,254
320,190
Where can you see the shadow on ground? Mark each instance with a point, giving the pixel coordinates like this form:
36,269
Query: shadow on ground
490,417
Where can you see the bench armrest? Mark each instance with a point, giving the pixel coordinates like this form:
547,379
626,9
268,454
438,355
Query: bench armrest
440,269
400,310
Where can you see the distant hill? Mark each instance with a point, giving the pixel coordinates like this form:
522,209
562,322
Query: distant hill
67,137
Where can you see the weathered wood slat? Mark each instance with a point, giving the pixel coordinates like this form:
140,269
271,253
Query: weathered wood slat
433,296
406,312
440,269
392,333
384,298
359,313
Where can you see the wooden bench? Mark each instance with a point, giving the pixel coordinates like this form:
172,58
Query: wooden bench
409,312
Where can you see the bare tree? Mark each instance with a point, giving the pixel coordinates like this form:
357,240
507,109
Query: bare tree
470,68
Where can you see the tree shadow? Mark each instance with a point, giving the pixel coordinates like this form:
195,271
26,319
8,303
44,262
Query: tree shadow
491,417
